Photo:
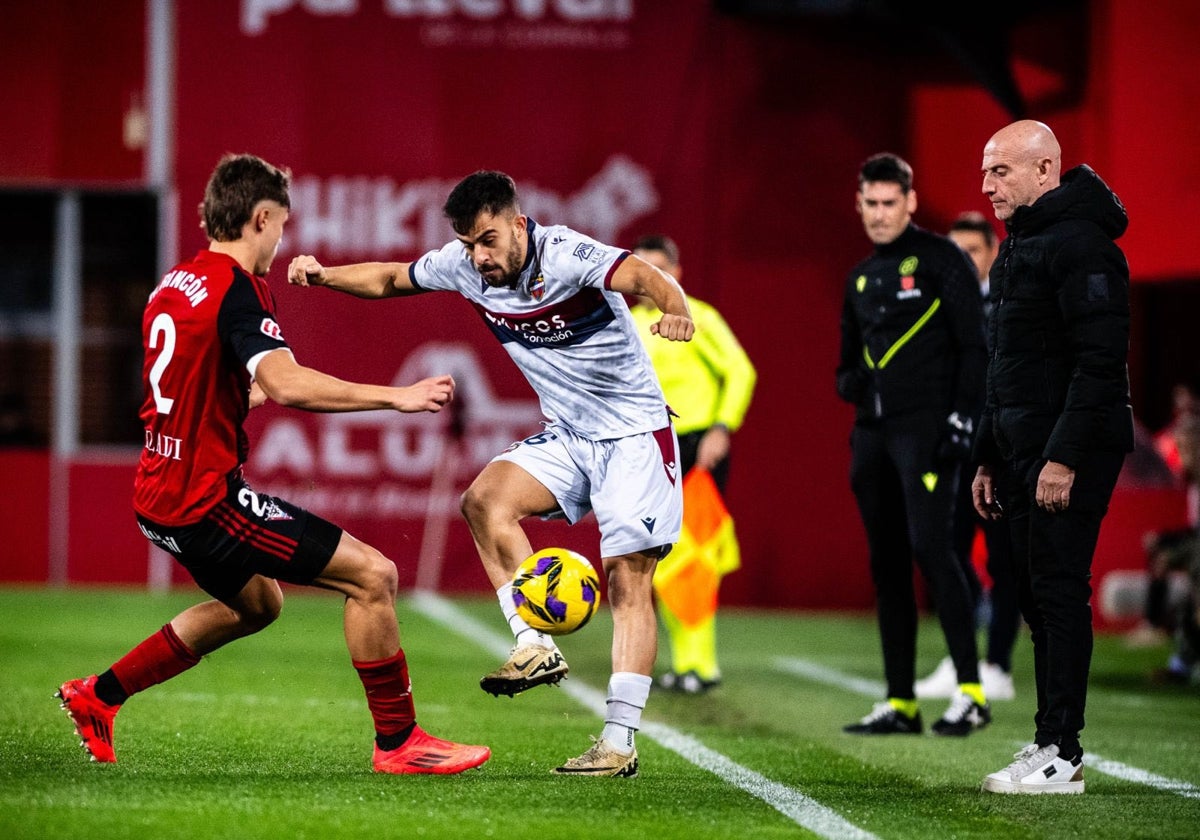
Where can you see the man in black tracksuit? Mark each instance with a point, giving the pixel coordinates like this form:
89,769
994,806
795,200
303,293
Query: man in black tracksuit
1057,414
912,362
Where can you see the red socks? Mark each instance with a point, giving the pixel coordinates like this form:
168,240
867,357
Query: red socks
164,655
389,693
155,660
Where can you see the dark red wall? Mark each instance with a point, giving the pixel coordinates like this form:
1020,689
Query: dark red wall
70,74
751,133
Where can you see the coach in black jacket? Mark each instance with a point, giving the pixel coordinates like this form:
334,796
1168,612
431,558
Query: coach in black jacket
912,362
1057,411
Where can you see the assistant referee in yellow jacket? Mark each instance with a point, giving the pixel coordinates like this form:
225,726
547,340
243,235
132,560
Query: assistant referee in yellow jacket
709,383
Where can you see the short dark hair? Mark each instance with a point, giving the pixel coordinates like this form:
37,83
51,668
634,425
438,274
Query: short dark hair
235,188
973,220
886,167
484,191
657,242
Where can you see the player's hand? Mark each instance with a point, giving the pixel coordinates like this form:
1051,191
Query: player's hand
1054,487
427,395
674,327
257,395
304,270
713,447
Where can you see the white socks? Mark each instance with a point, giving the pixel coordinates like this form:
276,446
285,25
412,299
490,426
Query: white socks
627,694
522,632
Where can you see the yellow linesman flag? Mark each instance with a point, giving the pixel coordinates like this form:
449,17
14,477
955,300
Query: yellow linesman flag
687,579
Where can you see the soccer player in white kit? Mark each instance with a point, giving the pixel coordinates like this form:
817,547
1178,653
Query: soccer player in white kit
553,298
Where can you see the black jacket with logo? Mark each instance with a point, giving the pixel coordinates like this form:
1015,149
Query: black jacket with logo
912,330
1058,384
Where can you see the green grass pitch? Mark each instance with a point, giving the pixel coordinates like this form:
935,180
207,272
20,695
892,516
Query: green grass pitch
270,738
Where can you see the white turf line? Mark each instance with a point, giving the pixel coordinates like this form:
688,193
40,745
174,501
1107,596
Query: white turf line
876,689
801,809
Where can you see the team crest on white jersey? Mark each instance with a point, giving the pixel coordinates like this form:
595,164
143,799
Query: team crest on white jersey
537,287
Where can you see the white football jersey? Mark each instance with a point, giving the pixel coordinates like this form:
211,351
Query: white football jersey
570,334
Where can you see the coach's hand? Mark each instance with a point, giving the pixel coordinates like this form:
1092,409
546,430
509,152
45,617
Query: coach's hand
304,270
1054,487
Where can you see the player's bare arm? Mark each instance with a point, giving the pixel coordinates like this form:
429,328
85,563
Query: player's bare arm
635,276
364,280
289,383
257,395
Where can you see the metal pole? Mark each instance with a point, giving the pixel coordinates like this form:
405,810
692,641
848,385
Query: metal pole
160,78
68,325
160,176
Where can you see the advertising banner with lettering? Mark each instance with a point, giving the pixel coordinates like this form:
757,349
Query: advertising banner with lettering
739,138
379,107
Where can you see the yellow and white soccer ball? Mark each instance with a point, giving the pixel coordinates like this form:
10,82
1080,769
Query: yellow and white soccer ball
556,591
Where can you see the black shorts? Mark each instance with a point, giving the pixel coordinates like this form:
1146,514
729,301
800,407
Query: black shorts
248,534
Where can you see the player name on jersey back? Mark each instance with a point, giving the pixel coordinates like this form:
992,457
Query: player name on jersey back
193,287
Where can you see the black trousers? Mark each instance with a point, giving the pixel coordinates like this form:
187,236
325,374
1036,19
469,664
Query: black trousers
907,507
1053,561
1005,618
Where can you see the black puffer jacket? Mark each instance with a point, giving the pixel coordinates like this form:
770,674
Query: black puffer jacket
1057,383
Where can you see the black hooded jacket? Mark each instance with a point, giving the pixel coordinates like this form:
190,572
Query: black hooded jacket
1058,382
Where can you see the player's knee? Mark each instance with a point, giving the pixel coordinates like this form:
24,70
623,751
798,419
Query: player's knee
260,612
379,577
474,507
630,579
258,620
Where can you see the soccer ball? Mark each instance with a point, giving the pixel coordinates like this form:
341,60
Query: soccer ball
556,591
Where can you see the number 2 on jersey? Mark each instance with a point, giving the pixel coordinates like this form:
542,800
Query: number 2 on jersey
162,325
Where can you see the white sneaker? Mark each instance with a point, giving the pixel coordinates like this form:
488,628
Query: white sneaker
997,683
1037,770
943,682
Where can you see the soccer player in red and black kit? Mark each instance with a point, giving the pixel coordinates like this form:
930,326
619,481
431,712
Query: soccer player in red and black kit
213,350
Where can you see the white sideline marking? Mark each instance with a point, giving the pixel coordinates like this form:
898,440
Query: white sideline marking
830,676
870,688
801,809
1136,774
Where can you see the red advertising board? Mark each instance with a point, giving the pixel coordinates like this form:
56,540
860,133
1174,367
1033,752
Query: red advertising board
378,108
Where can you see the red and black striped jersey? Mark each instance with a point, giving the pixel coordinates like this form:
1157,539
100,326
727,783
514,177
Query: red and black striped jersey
205,326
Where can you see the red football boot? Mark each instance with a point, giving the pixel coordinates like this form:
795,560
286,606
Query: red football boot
93,718
422,753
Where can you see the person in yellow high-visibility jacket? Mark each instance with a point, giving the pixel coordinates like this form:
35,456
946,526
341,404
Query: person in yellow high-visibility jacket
708,383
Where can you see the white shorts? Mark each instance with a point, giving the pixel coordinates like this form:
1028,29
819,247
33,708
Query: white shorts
631,483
